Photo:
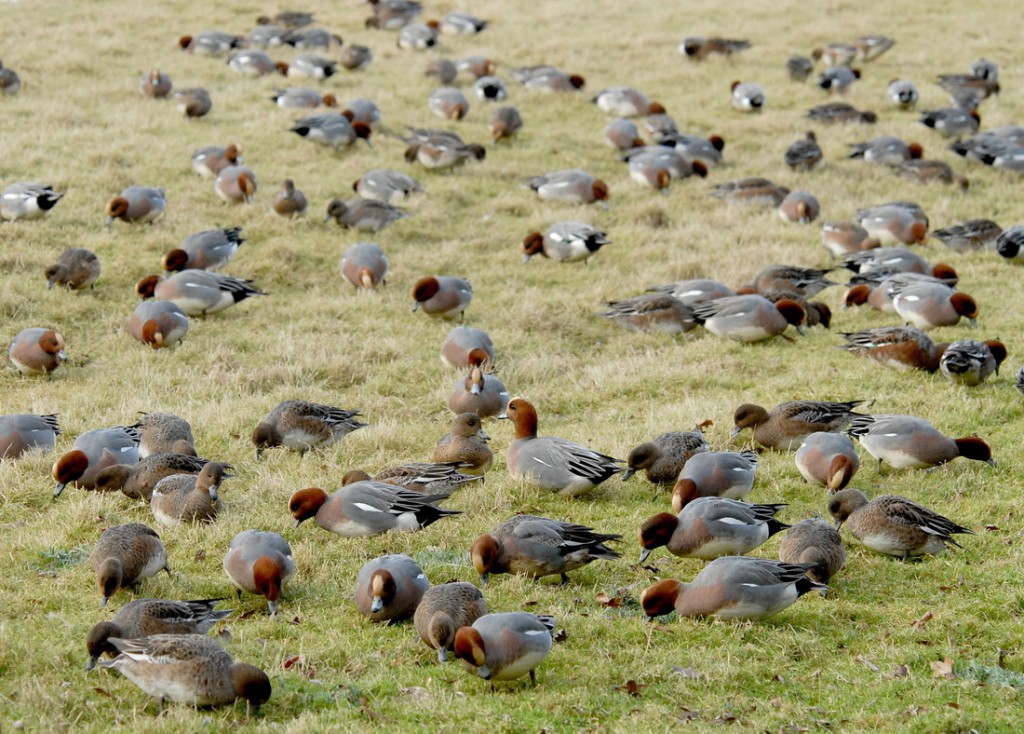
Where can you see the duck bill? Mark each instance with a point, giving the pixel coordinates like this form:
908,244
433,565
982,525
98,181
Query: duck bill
644,554
377,605
58,489
628,473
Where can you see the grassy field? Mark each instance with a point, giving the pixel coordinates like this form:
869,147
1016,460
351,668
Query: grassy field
871,656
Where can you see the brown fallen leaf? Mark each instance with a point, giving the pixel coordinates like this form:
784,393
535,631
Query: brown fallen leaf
609,601
294,660
631,687
560,635
943,668
687,672
200,555
919,623
102,691
992,528
953,705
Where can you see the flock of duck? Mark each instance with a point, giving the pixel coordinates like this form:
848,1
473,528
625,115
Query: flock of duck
161,645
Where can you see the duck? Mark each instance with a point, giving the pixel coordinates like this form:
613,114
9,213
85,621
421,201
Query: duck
159,324
76,269
28,201
536,547
389,588
436,150
902,93
418,36
799,207
289,201
711,527
439,479
24,432
898,347
210,43
198,292
785,426
841,113
799,68
879,290
749,318
189,669
835,54
1010,244
385,185
126,554
695,290
887,149
333,130
505,645
803,282
301,98
364,111
804,154
871,47
236,185
162,433
931,171
466,346
363,509
505,122
478,392
651,312
930,305
951,122
448,103
193,102
909,442
750,190
894,525
733,588
656,166
210,249
189,498
827,459
392,15
813,541
466,443
137,481
553,463
303,38
747,96
442,296
254,63
260,562
838,79
625,102
548,79
663,457
311,66
363,215
137,204
300,425
698,48
10,82
714,474
573,186
887,261
364,265
443,611
457,23
37,351
443,69
290,19
210,160
145,617
846,238
970,362
92,452
266,35
622,134
565,241
893,223
973,235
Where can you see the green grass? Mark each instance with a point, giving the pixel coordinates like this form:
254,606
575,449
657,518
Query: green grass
832,663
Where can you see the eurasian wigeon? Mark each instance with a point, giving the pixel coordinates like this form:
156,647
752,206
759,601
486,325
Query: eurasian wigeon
332,130
303,38
894,223
290,19
37,351
750,190
814,541
841,113
210,160
928,171
137,204
25,432
448,103
908,442
828,459
299,98
457,23
894,525
24,200
138,480
364,265
885,261
126,554
714,474
505,122
747,96
537,547
289,201
10,82
193,102
625,102
182,499
969,362
254,63
363,215
160,324
389,588
364,111
236,184
465,345
553,463
930,305
844,238
311,66
732,587
75,269
145,617
260,562
899,347
970,236
804,154
418,36
266,35
443,610
838,79
990,144
442,296
870,47
490,88
749,318
799,68
657,165
210,43
299,425
800,207
1010,158
903,94
393,14
574,186
1010,244
385,185
818,312
206,250
663,457
547,78
164,433
886,149
189,669
366,508
443,69
438,479
878,290
651,312
478,392
699,48
567,241
835,54
505,646
968,91
951,122
804,282
438,149
695,291
92,452
785,426
710,527
198,292
466,443
475,66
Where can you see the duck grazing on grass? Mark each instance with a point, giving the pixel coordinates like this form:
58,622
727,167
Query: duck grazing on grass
908,442
444,610
366,508
76,269
505,646
665,456
260,562
126,554
970,362
787,424
25,432
814,541
300,426
389,588
710,527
